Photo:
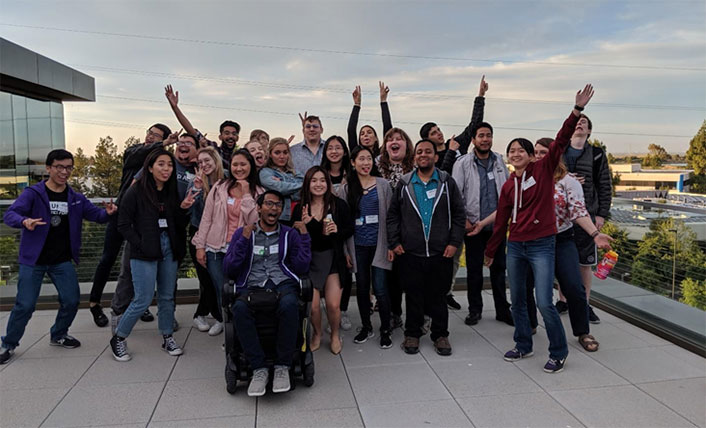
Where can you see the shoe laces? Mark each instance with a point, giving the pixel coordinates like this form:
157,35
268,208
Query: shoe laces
120,347
281,373
261,375
170,343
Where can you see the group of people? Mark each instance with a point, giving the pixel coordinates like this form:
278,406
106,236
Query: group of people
391,212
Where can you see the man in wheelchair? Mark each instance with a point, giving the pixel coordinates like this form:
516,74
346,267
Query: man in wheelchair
265,260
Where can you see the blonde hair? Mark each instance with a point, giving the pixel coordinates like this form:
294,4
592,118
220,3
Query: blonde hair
289,167
218,172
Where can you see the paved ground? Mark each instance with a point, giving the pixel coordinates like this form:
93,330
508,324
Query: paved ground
635,380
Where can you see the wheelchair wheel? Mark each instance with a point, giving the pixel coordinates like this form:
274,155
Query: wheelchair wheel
231,380
309,374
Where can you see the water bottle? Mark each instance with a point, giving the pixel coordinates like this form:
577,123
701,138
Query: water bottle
606,265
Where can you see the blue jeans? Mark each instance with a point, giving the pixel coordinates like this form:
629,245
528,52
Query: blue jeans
364,260
539,255
29,283
287,325
214,265
144,276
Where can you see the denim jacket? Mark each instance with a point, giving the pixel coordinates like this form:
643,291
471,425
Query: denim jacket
288,184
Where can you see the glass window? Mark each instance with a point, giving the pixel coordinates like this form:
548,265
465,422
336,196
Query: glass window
7,138
19,116
39,131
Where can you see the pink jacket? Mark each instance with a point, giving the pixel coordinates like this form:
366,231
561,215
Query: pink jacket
213,229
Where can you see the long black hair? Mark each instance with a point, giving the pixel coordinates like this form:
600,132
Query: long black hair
329,197
253,178
345,160
355,189
148,187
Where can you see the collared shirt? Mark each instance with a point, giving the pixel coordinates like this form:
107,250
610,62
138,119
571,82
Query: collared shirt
303,158
426,194
488,191
265,261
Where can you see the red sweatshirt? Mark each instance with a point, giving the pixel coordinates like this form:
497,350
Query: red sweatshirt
528,201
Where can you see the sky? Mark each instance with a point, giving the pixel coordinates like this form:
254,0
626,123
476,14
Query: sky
261,63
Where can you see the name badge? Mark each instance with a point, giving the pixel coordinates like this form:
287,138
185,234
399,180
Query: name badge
189,176
259,250
431,194
491,176
274,249
371,219
162,223
359,221
528,183
59,208
231,201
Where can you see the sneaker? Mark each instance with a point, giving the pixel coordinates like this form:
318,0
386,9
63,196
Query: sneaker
592,317
98,316
258,383
175,325
345,321
426,326
363,335
170,346
385,339
452,303
216,329
554,366
5,355
561,307
515,355
119,347
147,316
201,324
281,381
396,322
473,318
442,346
67,341
410,345
114,321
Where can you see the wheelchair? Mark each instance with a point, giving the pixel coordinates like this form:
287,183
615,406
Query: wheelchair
237,366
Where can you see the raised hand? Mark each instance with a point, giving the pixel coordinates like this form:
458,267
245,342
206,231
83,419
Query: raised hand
584,96
302,118
384,91
198,179
172,138
483,87
290,139
357,95
189,199
453,144
204,142
31,223
306,217
172,96
247,230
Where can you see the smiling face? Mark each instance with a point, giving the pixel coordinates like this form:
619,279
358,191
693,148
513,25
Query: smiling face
60,170
367,137
240,167
206,163
270,210
162,169
318,185
255,149
396,147
186,149
280,155
154,135
518,156
540,151
229,136
334,151
483,140
363,163
424,156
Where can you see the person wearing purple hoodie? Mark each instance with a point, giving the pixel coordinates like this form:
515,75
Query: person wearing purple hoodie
268,255
50,214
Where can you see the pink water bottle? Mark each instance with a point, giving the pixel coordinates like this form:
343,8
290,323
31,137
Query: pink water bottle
606,265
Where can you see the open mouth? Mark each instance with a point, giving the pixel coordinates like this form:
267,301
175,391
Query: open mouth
395,148
272,217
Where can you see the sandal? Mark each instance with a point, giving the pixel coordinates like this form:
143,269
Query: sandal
588,342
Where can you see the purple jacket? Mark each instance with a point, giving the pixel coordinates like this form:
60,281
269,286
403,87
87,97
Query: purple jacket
293,260
34,203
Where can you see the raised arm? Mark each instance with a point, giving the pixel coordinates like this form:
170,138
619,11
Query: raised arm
173,98
353,120
464,139
563,137
385,108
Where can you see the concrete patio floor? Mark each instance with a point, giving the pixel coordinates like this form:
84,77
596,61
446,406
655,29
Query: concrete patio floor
636,379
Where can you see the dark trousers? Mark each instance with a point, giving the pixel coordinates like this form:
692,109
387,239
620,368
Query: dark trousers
427,280
366,274
111,248
124,291
208,303
394,289
287,324
347,283
475,249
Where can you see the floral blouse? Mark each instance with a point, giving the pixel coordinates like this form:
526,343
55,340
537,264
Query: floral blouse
568,202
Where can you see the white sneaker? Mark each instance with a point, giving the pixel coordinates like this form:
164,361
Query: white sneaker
201,324
216,329
345,321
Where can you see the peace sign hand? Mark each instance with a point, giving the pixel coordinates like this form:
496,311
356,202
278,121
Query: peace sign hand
31,223
306,217
189,199
453,144
110,207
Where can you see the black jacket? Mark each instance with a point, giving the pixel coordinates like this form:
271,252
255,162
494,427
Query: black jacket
133,159
138,222
404,223
597,185
447,157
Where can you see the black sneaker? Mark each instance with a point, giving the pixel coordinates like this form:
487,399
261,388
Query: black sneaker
170,346
98,316
452,303
363,335
562,307
473,318
5,355
385,339
592,317
119,347
147,316
66,342
554,366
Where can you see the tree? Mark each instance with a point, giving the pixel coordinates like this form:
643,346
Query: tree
656,156
622,245
595,142
131,141
694,293
614,180
696,160
80,177
107,168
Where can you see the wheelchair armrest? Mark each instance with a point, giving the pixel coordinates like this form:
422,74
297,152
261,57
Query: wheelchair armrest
307,289
228,297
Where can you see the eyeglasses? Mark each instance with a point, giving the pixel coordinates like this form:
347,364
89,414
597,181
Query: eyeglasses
273,204
312,126
154,134
62,168
185,143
